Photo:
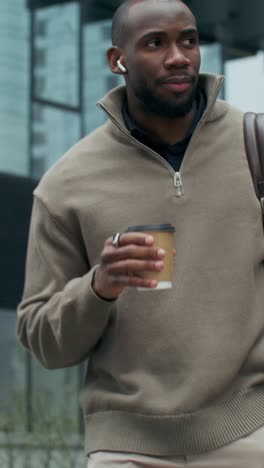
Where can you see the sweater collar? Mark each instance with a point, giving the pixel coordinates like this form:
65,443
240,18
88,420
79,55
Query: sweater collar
142,134
210,83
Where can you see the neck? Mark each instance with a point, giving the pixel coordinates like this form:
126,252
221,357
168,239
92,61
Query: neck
171,131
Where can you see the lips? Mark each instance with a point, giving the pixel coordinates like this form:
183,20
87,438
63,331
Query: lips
178,83
178,80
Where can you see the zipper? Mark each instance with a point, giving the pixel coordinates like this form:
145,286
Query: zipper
177,176
178,184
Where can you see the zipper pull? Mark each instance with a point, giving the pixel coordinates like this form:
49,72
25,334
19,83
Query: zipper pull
178,183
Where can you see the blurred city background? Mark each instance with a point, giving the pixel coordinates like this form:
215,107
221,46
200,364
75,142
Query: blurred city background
53,71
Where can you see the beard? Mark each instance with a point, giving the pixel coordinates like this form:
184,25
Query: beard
170,108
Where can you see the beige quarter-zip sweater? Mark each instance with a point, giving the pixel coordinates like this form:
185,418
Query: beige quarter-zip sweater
170,372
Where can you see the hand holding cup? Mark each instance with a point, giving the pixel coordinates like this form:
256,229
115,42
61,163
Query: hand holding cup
137,261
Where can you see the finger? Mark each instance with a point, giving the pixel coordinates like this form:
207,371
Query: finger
133,281
112,254
133,267
138,238
128,267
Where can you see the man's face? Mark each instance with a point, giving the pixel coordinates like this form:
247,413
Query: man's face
162,56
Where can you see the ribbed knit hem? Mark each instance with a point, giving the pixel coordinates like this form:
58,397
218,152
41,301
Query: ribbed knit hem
204,431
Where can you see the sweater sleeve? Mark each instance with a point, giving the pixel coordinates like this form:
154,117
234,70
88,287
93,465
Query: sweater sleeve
60,318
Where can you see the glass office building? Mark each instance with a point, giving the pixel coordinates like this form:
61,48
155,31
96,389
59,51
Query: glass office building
14,86
53,71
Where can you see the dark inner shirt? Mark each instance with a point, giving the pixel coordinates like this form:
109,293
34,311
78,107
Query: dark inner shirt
172,153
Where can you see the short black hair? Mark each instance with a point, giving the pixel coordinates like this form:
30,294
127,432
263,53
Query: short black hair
119,23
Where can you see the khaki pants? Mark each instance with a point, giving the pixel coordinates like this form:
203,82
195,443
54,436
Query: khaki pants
247,452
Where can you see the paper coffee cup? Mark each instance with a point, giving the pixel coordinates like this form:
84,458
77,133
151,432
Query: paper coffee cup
163,235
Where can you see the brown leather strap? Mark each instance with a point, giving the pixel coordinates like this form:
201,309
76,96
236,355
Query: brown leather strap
254,143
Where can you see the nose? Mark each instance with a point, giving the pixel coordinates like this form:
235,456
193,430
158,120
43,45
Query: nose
175,58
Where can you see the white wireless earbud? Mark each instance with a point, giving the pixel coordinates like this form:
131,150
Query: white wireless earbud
121,67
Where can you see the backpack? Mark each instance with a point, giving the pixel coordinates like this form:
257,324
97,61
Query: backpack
254,144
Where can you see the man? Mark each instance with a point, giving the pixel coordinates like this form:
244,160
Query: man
176,378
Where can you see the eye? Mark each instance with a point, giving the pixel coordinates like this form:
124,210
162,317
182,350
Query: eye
189,42
154,43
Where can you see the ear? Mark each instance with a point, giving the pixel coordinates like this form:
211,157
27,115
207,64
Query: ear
113,55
